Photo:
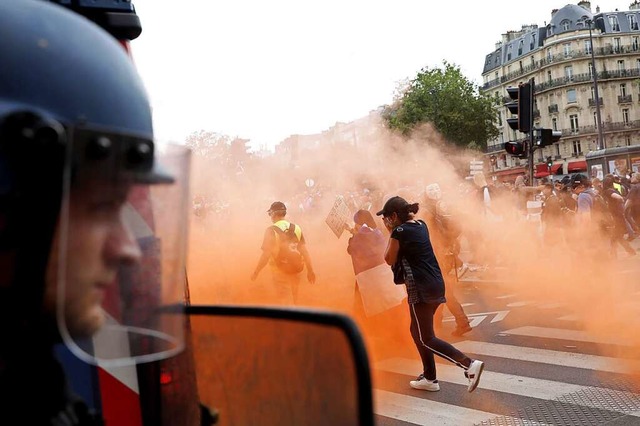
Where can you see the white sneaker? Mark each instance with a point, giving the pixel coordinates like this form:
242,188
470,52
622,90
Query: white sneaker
423,384
473,374
462,270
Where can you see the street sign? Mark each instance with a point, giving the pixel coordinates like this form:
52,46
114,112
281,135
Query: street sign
475,167
339,217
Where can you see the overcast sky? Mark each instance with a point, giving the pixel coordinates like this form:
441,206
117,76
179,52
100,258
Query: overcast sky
264,70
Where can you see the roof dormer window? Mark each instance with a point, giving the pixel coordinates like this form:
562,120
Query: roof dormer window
633,22
532,45
520,47
565,25
613,21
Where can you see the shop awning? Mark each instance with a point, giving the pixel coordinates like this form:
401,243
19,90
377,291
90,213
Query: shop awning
577,166
541,170
556,169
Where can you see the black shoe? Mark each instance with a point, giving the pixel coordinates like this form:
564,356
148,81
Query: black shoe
459,331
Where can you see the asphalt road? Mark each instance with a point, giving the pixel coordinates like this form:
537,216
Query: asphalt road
543,367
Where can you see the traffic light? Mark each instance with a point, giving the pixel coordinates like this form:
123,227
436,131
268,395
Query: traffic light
517,149
520,105
548,137
549,162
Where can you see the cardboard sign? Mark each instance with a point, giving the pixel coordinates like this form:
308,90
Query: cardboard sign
339,217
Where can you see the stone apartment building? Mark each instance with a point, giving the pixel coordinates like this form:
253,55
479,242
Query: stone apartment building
558,56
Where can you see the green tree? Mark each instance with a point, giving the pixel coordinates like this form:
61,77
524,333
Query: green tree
448,100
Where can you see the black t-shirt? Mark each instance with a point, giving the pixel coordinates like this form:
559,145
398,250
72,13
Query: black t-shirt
422,274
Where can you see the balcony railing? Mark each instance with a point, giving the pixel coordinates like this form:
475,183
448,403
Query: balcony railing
592,102
553,108
625,99
574,54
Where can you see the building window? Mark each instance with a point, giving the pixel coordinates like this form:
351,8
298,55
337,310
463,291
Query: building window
621,65
623,89
625,115
577,149
590,70
520,47
633,22
496,74
565,25
613,21
635,43
573,119
554,123
587,46
627,140
558,150
593,92
509,53
533,61
616,45
568,72
566,48
571,96
499,119
595,120
549,55
549,72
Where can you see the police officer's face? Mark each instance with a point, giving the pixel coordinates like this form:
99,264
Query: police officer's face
98,243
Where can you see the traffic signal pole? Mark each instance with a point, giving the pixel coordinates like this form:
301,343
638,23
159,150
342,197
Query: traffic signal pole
532,136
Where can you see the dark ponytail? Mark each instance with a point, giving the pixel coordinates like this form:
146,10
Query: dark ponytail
407,212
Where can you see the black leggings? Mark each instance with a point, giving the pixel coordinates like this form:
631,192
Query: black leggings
427,342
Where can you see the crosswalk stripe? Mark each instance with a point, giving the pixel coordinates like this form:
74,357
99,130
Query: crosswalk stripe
564,334
424,411
520,385
509,383
507,296
517,304
546,356
569,318
553,305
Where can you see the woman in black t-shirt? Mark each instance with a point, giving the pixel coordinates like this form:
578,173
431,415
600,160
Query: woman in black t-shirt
410,253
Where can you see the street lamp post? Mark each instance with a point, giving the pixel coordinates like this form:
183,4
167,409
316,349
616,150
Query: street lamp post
595,89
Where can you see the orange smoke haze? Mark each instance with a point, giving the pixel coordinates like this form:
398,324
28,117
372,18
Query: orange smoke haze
225,244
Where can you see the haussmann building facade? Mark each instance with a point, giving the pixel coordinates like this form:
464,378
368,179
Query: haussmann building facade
558,56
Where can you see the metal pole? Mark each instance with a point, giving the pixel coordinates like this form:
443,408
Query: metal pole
595,90
532,137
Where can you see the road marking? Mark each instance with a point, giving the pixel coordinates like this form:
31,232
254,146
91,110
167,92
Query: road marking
476,318
519,385
517,304
569,318
425,412
552,305
564,334
546,356
507,296
509,383
464,305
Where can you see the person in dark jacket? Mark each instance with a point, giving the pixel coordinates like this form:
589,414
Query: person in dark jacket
410,253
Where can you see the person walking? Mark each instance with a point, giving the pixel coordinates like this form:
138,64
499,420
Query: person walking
410,254
445,235
284,250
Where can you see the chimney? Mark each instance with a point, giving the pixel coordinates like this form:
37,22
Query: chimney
635,5
597,9
553,13
585,4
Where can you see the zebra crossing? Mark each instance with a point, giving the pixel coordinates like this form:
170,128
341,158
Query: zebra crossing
521,385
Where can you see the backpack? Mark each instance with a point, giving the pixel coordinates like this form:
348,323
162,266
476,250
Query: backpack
601,213
288,259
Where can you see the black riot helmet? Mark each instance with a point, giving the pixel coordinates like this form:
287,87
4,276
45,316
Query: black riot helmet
84,236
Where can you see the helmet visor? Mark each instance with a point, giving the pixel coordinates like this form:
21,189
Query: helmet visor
120,250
